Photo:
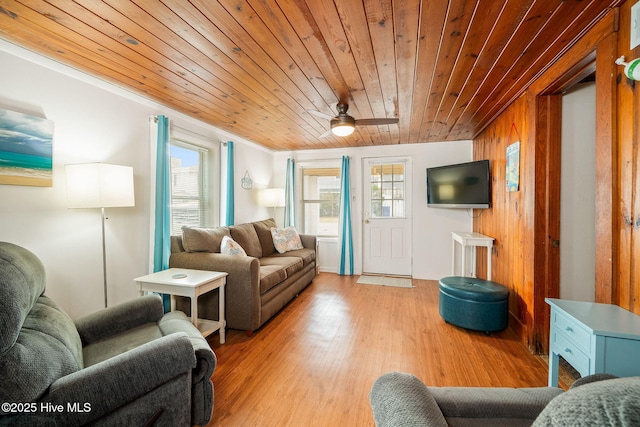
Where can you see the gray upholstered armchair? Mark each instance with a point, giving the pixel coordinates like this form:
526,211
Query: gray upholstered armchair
129,364
402,400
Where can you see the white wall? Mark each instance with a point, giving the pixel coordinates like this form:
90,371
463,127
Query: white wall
94,122
432,227
258,162
578,194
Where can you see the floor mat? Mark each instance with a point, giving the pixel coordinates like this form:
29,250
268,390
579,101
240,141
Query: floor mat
398,282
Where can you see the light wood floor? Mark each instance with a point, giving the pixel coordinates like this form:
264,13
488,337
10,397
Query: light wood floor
315,362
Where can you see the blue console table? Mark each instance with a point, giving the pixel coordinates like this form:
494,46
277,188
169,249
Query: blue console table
593,338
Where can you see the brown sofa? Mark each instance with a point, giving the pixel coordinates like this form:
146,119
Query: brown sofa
259,284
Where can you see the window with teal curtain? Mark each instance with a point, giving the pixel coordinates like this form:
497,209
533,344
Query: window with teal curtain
161,237
345,233
230,214
289,195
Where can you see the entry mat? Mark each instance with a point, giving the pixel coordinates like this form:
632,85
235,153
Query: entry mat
398,282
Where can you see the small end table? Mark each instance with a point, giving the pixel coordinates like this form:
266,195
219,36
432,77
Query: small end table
468,239
189,283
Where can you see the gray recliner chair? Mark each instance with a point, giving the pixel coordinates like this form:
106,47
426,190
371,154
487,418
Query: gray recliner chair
129,364
402,400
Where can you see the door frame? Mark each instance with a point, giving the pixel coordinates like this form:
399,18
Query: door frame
545,102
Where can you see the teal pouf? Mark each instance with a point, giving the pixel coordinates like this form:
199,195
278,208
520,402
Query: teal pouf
472,303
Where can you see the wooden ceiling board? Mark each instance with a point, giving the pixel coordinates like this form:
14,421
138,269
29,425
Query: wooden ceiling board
452,44
406,25
254,68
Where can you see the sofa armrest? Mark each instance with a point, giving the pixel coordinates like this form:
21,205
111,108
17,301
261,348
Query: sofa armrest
122,317
113,383
206,362
202,387
308,241
591,379
242,291
402,400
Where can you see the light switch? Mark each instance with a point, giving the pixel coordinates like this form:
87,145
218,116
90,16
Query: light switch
635,25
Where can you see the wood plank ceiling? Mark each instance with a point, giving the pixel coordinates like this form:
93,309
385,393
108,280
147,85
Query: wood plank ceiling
254,68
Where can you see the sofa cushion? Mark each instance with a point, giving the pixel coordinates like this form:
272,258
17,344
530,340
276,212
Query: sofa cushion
198,239
307,255
286,239
246,236
290,264
109,347
614,402
270,276
231,247
47,348
263,230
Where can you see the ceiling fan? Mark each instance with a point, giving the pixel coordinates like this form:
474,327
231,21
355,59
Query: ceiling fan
344,125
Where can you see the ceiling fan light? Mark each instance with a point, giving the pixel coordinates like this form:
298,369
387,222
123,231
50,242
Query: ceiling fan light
343,129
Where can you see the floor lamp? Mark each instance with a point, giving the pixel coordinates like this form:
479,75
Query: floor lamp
99,185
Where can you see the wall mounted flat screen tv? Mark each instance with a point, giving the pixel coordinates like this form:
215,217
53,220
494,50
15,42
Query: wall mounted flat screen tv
463,185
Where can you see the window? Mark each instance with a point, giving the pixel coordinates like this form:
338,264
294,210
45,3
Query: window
321,200
387,190
189,195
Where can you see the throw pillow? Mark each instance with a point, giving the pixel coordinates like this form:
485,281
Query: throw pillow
286,239
231,247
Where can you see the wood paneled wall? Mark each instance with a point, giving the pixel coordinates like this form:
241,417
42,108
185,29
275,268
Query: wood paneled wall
627,256
525,223
506,219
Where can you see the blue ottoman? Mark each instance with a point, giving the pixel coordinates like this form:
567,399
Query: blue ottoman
472,303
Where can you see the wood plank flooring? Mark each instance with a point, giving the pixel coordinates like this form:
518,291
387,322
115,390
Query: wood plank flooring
315,362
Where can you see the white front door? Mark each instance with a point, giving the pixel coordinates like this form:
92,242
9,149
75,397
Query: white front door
386,216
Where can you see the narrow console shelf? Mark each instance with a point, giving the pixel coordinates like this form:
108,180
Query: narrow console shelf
469,239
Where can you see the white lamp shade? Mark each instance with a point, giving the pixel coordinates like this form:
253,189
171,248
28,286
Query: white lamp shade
272,197
99,185
343,129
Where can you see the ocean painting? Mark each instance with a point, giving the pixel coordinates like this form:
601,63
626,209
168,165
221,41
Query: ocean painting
26,149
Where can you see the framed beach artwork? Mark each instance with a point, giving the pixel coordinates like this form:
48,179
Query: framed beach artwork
26,149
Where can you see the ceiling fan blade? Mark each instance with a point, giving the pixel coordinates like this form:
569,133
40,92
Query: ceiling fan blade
326,134
320,114
375,122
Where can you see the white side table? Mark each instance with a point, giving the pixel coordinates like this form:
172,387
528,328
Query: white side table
189,283
470,240
593,338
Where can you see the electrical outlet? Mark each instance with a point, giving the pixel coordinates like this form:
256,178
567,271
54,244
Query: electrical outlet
635,25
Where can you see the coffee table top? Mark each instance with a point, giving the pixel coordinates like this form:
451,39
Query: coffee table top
181,277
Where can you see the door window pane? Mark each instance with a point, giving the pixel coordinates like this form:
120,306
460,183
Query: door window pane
387,190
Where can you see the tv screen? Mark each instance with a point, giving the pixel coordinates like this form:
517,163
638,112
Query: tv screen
463,185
